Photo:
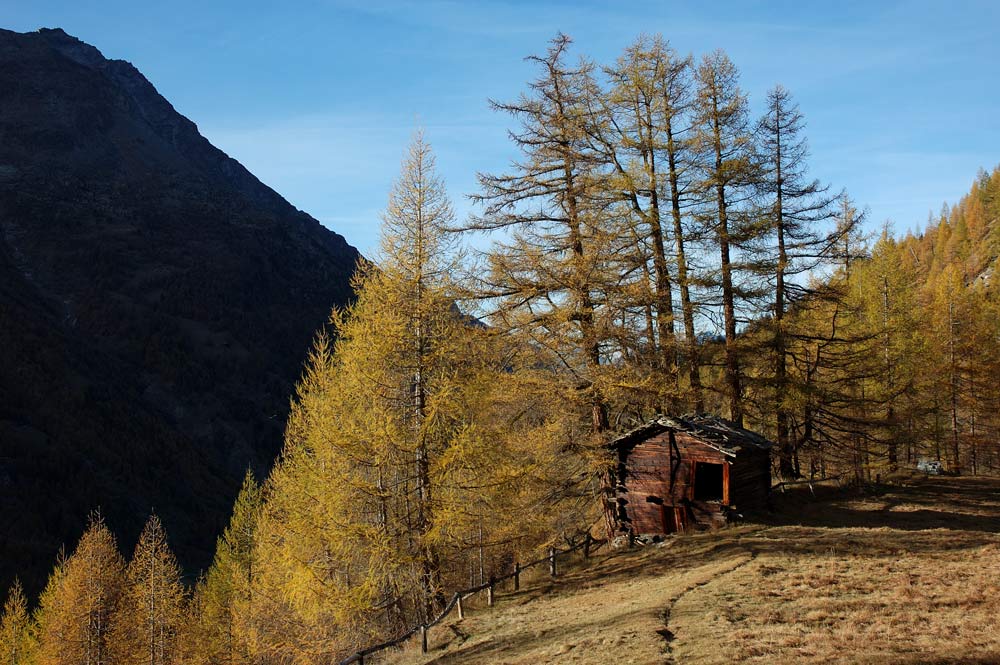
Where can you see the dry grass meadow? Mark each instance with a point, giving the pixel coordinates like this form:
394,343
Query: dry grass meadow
904,574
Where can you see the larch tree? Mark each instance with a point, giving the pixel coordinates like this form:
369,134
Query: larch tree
326,557
728,172
901,347
801,235
831,350
628,132
16,643
77,606
982,366
367,432
416,262
412,448
948,306
151,608
221,621
643,130
675,120
549,277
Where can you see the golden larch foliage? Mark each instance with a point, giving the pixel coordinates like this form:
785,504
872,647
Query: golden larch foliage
150,610
16,628
77,606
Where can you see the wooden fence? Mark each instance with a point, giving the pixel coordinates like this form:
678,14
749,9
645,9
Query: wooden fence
588,545
811,482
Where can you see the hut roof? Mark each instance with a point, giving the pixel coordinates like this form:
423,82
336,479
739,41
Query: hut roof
724,436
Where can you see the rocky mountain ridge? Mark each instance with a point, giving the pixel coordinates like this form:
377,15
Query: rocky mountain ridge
156,304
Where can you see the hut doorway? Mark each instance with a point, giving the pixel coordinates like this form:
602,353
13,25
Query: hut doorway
709,482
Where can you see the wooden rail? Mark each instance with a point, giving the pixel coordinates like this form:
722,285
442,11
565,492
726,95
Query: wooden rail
588,545
811,482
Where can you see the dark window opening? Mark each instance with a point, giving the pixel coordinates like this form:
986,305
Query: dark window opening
707,482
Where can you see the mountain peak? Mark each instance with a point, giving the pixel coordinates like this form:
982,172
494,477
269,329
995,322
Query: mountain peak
156,304
73,48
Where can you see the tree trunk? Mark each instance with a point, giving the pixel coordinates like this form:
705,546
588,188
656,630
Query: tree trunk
953,362
786,451
890,382
728,304
683,280
585,313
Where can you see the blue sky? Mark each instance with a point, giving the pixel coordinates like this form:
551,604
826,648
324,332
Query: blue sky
319,99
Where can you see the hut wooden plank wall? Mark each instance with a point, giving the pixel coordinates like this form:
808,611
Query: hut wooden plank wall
673,474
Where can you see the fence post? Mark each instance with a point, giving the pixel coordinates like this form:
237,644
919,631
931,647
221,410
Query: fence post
489,591
423,638
552,561
461,611
517,576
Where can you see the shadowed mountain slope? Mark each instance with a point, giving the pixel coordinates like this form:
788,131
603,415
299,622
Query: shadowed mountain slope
156,304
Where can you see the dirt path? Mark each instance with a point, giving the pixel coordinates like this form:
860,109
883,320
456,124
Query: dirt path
677,609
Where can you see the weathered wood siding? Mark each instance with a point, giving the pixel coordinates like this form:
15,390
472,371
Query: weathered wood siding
656,489
750,480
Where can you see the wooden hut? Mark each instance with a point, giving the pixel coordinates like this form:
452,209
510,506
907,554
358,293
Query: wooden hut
674,474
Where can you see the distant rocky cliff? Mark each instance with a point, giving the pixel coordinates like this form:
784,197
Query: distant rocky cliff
156,303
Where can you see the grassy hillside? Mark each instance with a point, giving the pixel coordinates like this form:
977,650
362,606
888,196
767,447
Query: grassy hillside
905,574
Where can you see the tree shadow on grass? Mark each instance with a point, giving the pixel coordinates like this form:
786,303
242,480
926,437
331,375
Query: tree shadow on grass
956,504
